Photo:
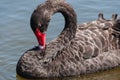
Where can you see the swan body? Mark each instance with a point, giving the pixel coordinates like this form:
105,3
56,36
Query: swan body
79,49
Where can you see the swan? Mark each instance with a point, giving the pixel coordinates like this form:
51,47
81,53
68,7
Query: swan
79,49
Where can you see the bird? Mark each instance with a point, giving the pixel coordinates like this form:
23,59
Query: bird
79,49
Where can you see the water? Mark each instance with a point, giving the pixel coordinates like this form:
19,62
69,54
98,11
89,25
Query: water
16,35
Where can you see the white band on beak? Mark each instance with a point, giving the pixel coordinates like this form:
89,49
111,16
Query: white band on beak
41,47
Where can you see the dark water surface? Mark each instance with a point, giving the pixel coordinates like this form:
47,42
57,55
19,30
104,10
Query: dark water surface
16,35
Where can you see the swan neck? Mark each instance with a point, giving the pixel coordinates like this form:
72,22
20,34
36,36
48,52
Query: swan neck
70,19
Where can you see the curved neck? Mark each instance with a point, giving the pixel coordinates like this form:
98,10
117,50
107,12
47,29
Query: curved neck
69,15
42,15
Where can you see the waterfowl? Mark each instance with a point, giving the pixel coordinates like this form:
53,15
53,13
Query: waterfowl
79,49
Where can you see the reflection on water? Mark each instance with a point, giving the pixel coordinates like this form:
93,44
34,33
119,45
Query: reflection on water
113,74
16,36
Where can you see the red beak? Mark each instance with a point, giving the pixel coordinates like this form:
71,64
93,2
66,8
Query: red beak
41,37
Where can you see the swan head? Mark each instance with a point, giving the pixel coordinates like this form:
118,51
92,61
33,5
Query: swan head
39,24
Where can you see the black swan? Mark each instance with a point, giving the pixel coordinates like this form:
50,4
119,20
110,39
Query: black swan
79,49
